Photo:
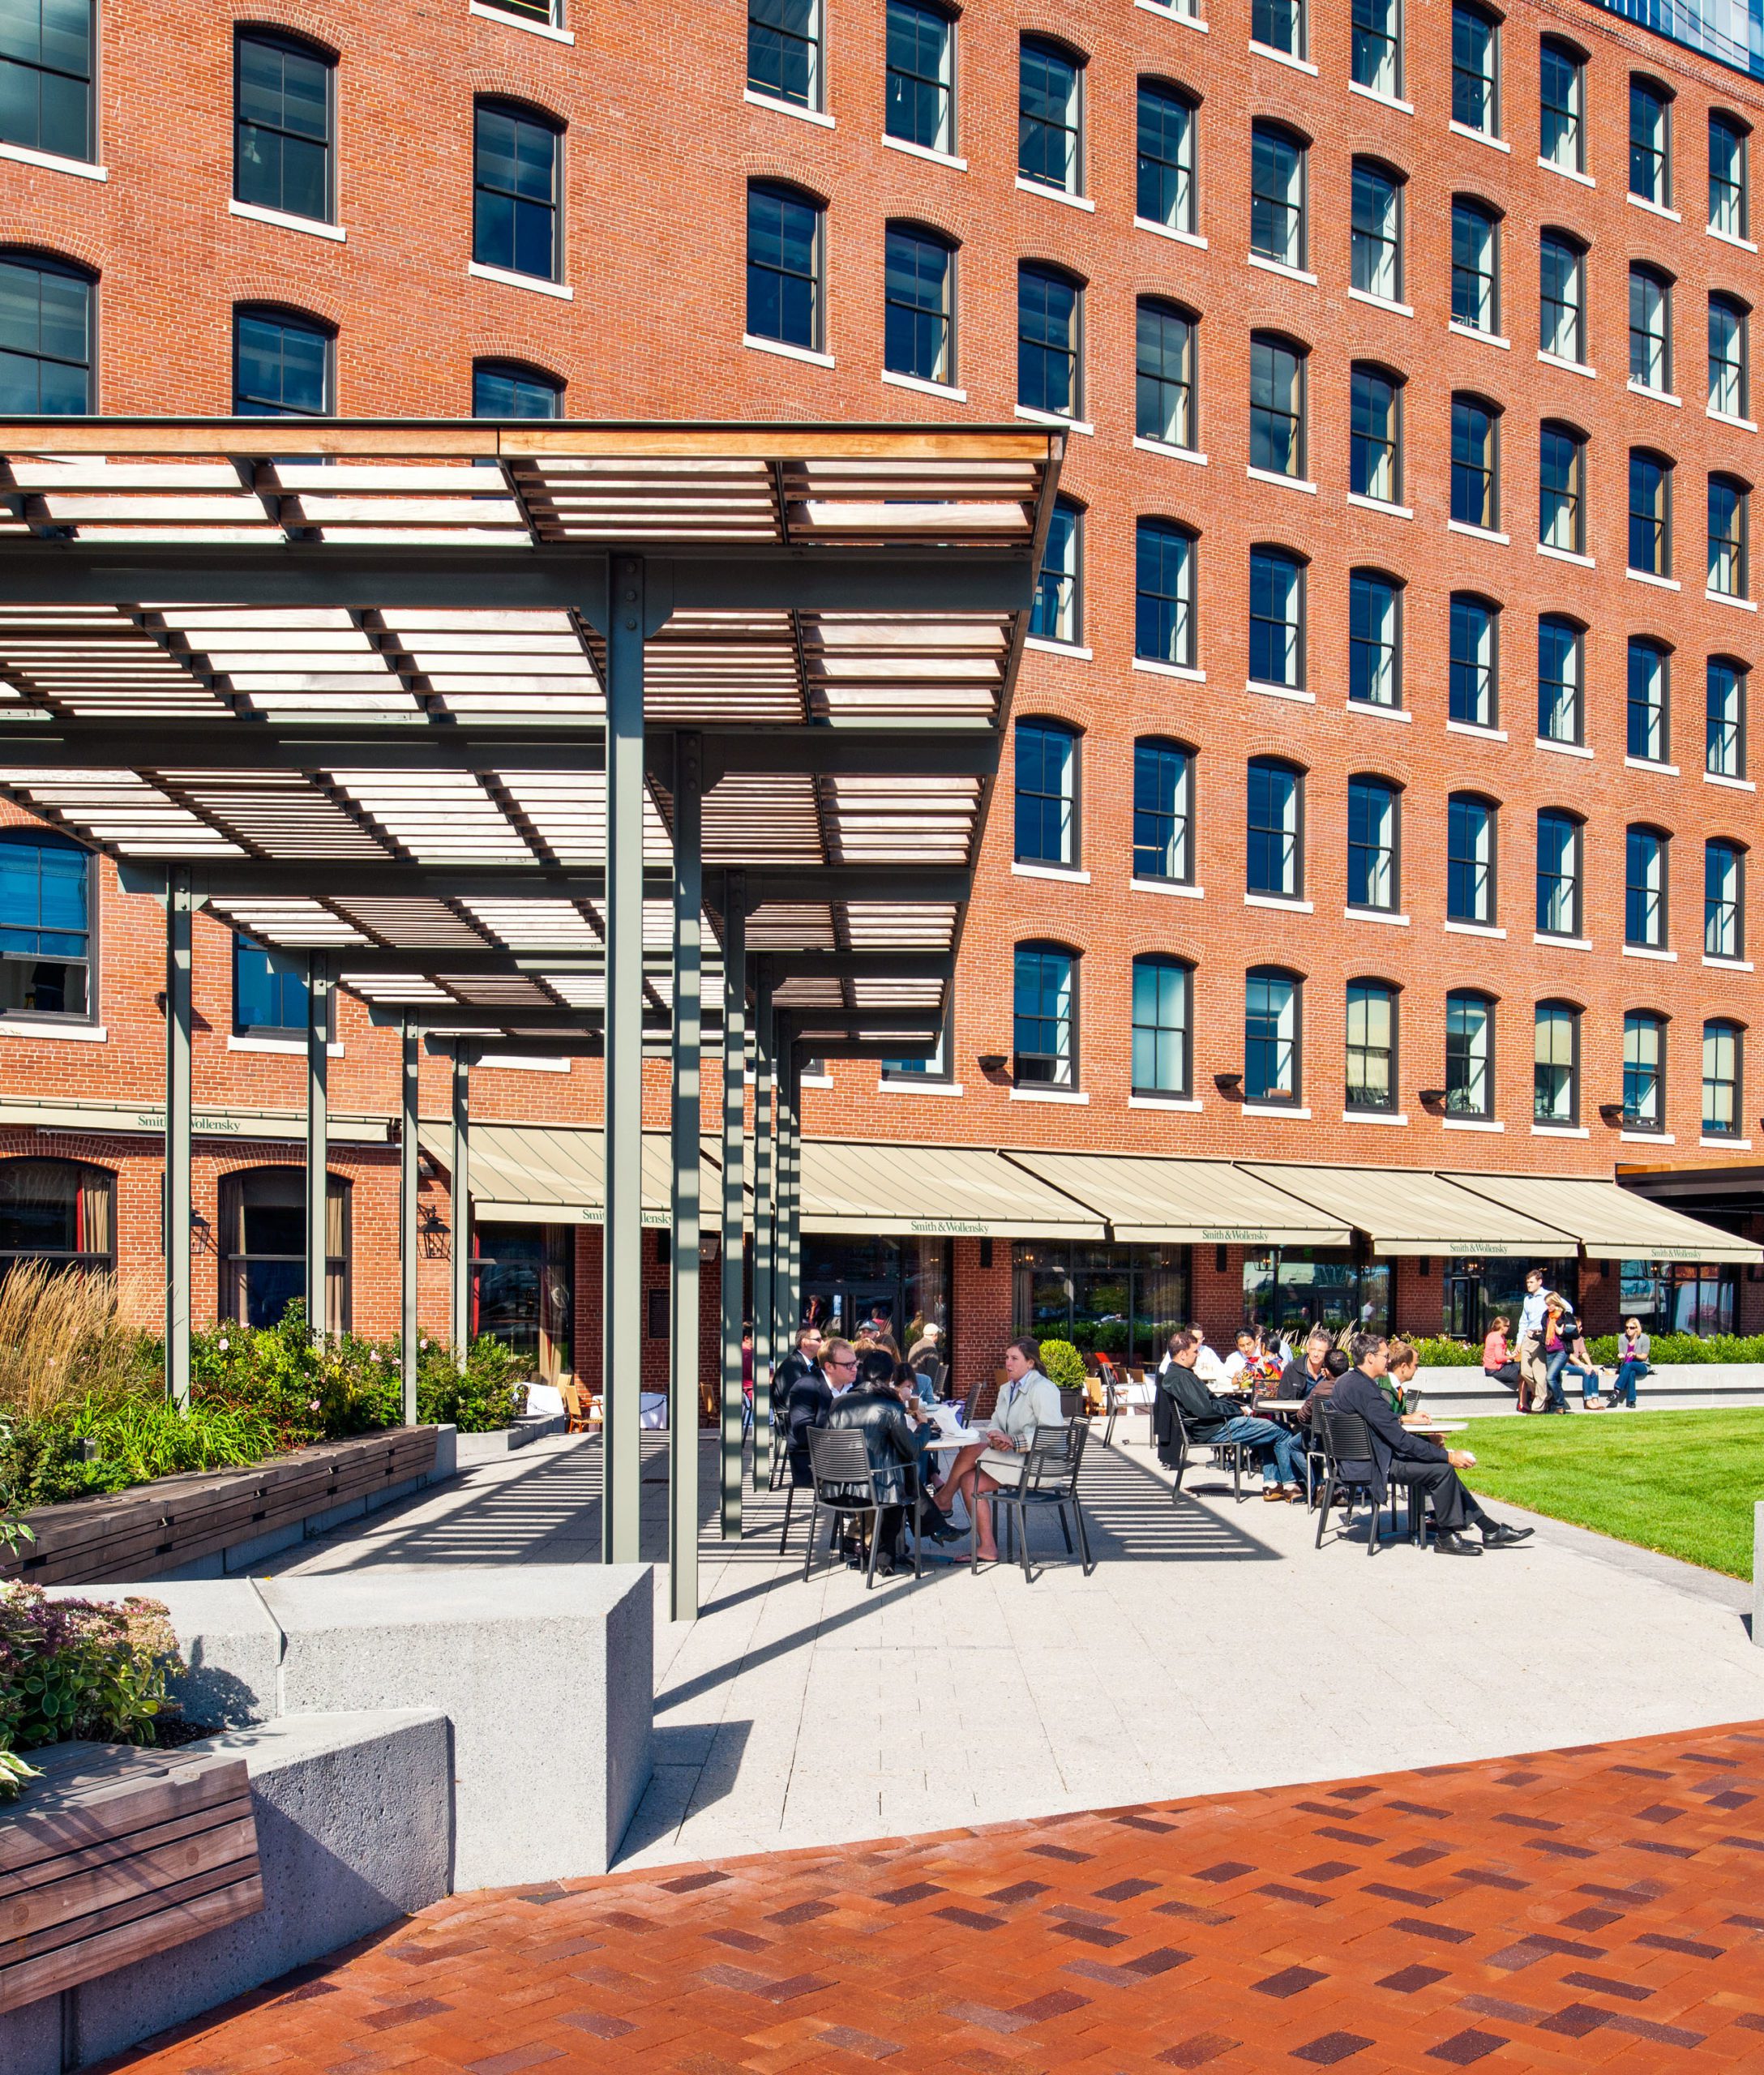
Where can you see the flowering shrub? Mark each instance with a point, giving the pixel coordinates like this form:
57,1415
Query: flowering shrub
79,1668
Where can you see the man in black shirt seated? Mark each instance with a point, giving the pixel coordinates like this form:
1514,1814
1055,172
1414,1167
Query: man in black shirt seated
1304,1373
802,1391
1207,1418
1428,1470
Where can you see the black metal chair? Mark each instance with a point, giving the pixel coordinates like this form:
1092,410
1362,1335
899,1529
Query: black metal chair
1050,1483
1347,1441
847,1488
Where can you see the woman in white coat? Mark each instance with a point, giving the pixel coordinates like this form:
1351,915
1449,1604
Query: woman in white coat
1027,1403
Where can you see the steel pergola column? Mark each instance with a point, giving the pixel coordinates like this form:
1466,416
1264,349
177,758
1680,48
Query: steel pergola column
410,1154
460,1312
686,1132
788,1296
765,1223
179,908
734,1134
622,1344
318,1137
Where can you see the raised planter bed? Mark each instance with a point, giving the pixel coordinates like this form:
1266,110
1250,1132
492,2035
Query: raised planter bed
178,1522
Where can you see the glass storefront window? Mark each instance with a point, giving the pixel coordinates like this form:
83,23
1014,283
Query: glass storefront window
1123,1301
848,1283
1294,1288
1695,1297
1474,1291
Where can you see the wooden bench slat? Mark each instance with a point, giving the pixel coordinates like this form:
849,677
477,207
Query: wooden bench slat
24,1919
81,1813
18,1887
156,1923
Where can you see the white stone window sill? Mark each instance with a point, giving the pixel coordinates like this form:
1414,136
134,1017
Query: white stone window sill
292,1048
1651,763
1648,952
1560,943
1568,366
1164,1102
1727,238
1733,785
1283,58
926,152
1298,1116
1170,231
1728,598
1043,646
1473,930
1173,14
918,383
1379,504
1351,914
1647,1138
905,1085
1070,873
80,1033
1171,453
1381,303
821,121
1055,195
1299,697
1647,576
1281,482
787,351
1728,965
550,33
1477,533
1560,1131
1726,1144
53,162
308,226
1567,172
1153,668
1473,332
1279,266
1658,395
1280,901
560,289
1654,208
815,1080
1384,100
513,1062
1564,749
1481,137
1176,887
1566,554
1374,1117
1033,417
1728,417
1371,706
1470,1123
1048,1095
1475,727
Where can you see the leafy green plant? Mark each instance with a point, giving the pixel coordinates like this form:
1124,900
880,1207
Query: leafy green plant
1061,1363
1448,1353
79,1668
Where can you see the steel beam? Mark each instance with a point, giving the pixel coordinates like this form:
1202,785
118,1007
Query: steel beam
765,1354
372,961
459,1311
317,1139
733,1204
178,910
686,1126
246,878
409,1152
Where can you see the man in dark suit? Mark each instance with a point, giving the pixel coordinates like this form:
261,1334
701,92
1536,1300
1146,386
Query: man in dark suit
872,1408
807,1398
1429,1470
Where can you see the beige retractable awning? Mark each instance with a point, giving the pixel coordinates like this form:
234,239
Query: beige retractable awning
556,1175
1611,1222
1184,1202
1407,1211
967,1190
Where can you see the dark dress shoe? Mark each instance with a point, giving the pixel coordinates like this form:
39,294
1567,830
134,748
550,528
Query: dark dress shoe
1446,1544
1499,1535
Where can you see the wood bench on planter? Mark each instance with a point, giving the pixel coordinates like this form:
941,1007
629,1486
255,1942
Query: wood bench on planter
153,1527
117,1854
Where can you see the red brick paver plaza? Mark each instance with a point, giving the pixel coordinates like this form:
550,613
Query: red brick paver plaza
1598,1908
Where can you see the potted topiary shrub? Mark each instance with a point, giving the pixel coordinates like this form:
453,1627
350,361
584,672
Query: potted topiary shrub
1062,1365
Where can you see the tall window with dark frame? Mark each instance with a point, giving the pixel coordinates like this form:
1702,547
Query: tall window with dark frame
59,1215
1372,878
1476,266
1046,759
1277,229
1276,406
1272,1035
1650,329
266,995
1561,298
47,49
1723,900
281,366
1560,671
505,389
784,266
1279,25
263,1245
920,103
1644,889
1724,739
919,305
1276,618
1164,374
1644,1072
1274,861
1558,873
517,165
1047,346
1475,478
1372,1046
45,337
1476,70
1722,1041
1163,1034
1164,194
1651,171
1650,536
1374,639
1562,515
1469,1049
1728,212
1728,574
1163,811
1474,667
1049,145
1648,735
1562,107
784,51
47,890
1164,603
1376,54
282,128
1729,391
1044,1017
1375,434
1375,232
1556,1065
1057,613
1470,860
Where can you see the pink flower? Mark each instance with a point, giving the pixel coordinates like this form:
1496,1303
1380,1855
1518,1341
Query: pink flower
312,1405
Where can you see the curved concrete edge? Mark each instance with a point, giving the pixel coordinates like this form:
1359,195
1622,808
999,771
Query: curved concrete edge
1689,1386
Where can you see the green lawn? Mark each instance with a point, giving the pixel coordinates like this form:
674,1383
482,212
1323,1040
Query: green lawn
1681,1482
